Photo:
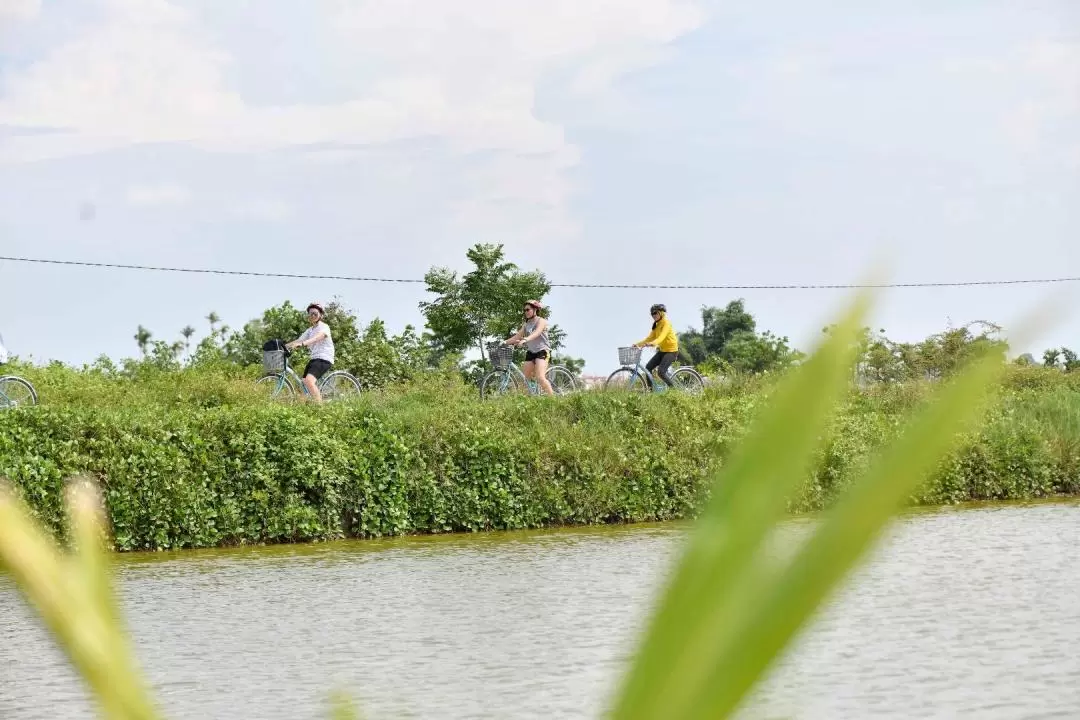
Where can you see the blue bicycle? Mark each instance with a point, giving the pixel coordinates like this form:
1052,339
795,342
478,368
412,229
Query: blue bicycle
281,382
507,377
634,377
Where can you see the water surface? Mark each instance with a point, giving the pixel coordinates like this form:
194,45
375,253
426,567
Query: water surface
961,613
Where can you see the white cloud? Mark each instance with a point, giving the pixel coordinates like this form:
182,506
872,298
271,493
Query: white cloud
158,195
466,73
12,11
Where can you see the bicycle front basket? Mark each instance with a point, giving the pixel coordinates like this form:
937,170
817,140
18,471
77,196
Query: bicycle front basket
501,355
629,355
273,361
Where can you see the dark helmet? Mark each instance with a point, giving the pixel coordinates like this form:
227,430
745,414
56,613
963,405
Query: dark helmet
658,307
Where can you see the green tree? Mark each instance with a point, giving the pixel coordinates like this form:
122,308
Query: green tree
1070,360
729,339
935,357
748,352
383,360
482,305
1063,358
575,365
142,338
187,332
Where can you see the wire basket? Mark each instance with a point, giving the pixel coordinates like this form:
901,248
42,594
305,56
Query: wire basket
273,361
629,355
501,355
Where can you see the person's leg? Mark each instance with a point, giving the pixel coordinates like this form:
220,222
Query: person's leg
540,370
315,369
654,362
665,368
312,385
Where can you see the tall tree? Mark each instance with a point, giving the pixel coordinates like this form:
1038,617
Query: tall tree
187,332
728,338
142,338
483,304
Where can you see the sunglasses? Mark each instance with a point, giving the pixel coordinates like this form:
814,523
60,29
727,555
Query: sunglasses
313,313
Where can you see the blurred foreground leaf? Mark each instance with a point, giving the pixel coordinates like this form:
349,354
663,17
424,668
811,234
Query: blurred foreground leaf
729,610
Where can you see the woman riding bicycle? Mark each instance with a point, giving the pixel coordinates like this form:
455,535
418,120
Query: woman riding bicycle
322,348
666,341
533,334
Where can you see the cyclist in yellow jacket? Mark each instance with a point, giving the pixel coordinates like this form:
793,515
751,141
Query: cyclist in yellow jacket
666,341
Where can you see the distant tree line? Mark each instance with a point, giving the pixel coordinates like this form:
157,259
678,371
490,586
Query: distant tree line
484,304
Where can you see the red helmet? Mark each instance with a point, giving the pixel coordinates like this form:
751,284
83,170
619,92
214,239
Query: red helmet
535,304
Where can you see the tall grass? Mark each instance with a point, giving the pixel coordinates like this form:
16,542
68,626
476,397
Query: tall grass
728,611
1056,417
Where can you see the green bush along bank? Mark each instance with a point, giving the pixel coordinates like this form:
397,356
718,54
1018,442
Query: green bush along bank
193,464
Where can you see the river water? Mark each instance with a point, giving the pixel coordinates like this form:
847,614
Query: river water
959,613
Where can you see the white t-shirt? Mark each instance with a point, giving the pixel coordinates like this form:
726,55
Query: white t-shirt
324,349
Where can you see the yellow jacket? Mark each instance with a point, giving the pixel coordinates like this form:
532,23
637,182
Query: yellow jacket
663,336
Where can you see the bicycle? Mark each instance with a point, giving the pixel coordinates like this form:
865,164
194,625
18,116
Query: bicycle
14,390
634,377
507,376
281,381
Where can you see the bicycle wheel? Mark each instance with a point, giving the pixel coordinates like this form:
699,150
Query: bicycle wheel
562,380
688,380
14,391
276,387
627,379
339,385
499,382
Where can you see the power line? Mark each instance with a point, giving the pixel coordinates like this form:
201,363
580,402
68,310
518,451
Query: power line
618,286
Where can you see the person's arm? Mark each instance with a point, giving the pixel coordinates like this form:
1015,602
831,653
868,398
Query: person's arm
516,338
649,340
310,337
298,341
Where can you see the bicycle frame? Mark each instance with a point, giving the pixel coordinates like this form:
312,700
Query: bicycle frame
297,380
532,386
288,372
639,369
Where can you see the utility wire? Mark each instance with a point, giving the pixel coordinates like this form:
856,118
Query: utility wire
621,286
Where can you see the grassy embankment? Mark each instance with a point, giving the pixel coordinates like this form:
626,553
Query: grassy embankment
196,459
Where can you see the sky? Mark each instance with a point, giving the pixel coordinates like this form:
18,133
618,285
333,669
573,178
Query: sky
674,142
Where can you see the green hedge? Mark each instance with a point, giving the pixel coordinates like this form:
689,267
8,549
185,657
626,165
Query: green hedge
238,471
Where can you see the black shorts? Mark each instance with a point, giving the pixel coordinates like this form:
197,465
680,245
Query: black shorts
317,368
542,355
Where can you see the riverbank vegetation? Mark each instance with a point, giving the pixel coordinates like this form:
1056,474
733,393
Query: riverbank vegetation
195,457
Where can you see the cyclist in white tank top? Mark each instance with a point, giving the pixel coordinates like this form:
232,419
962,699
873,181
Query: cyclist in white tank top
322,348
534,335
